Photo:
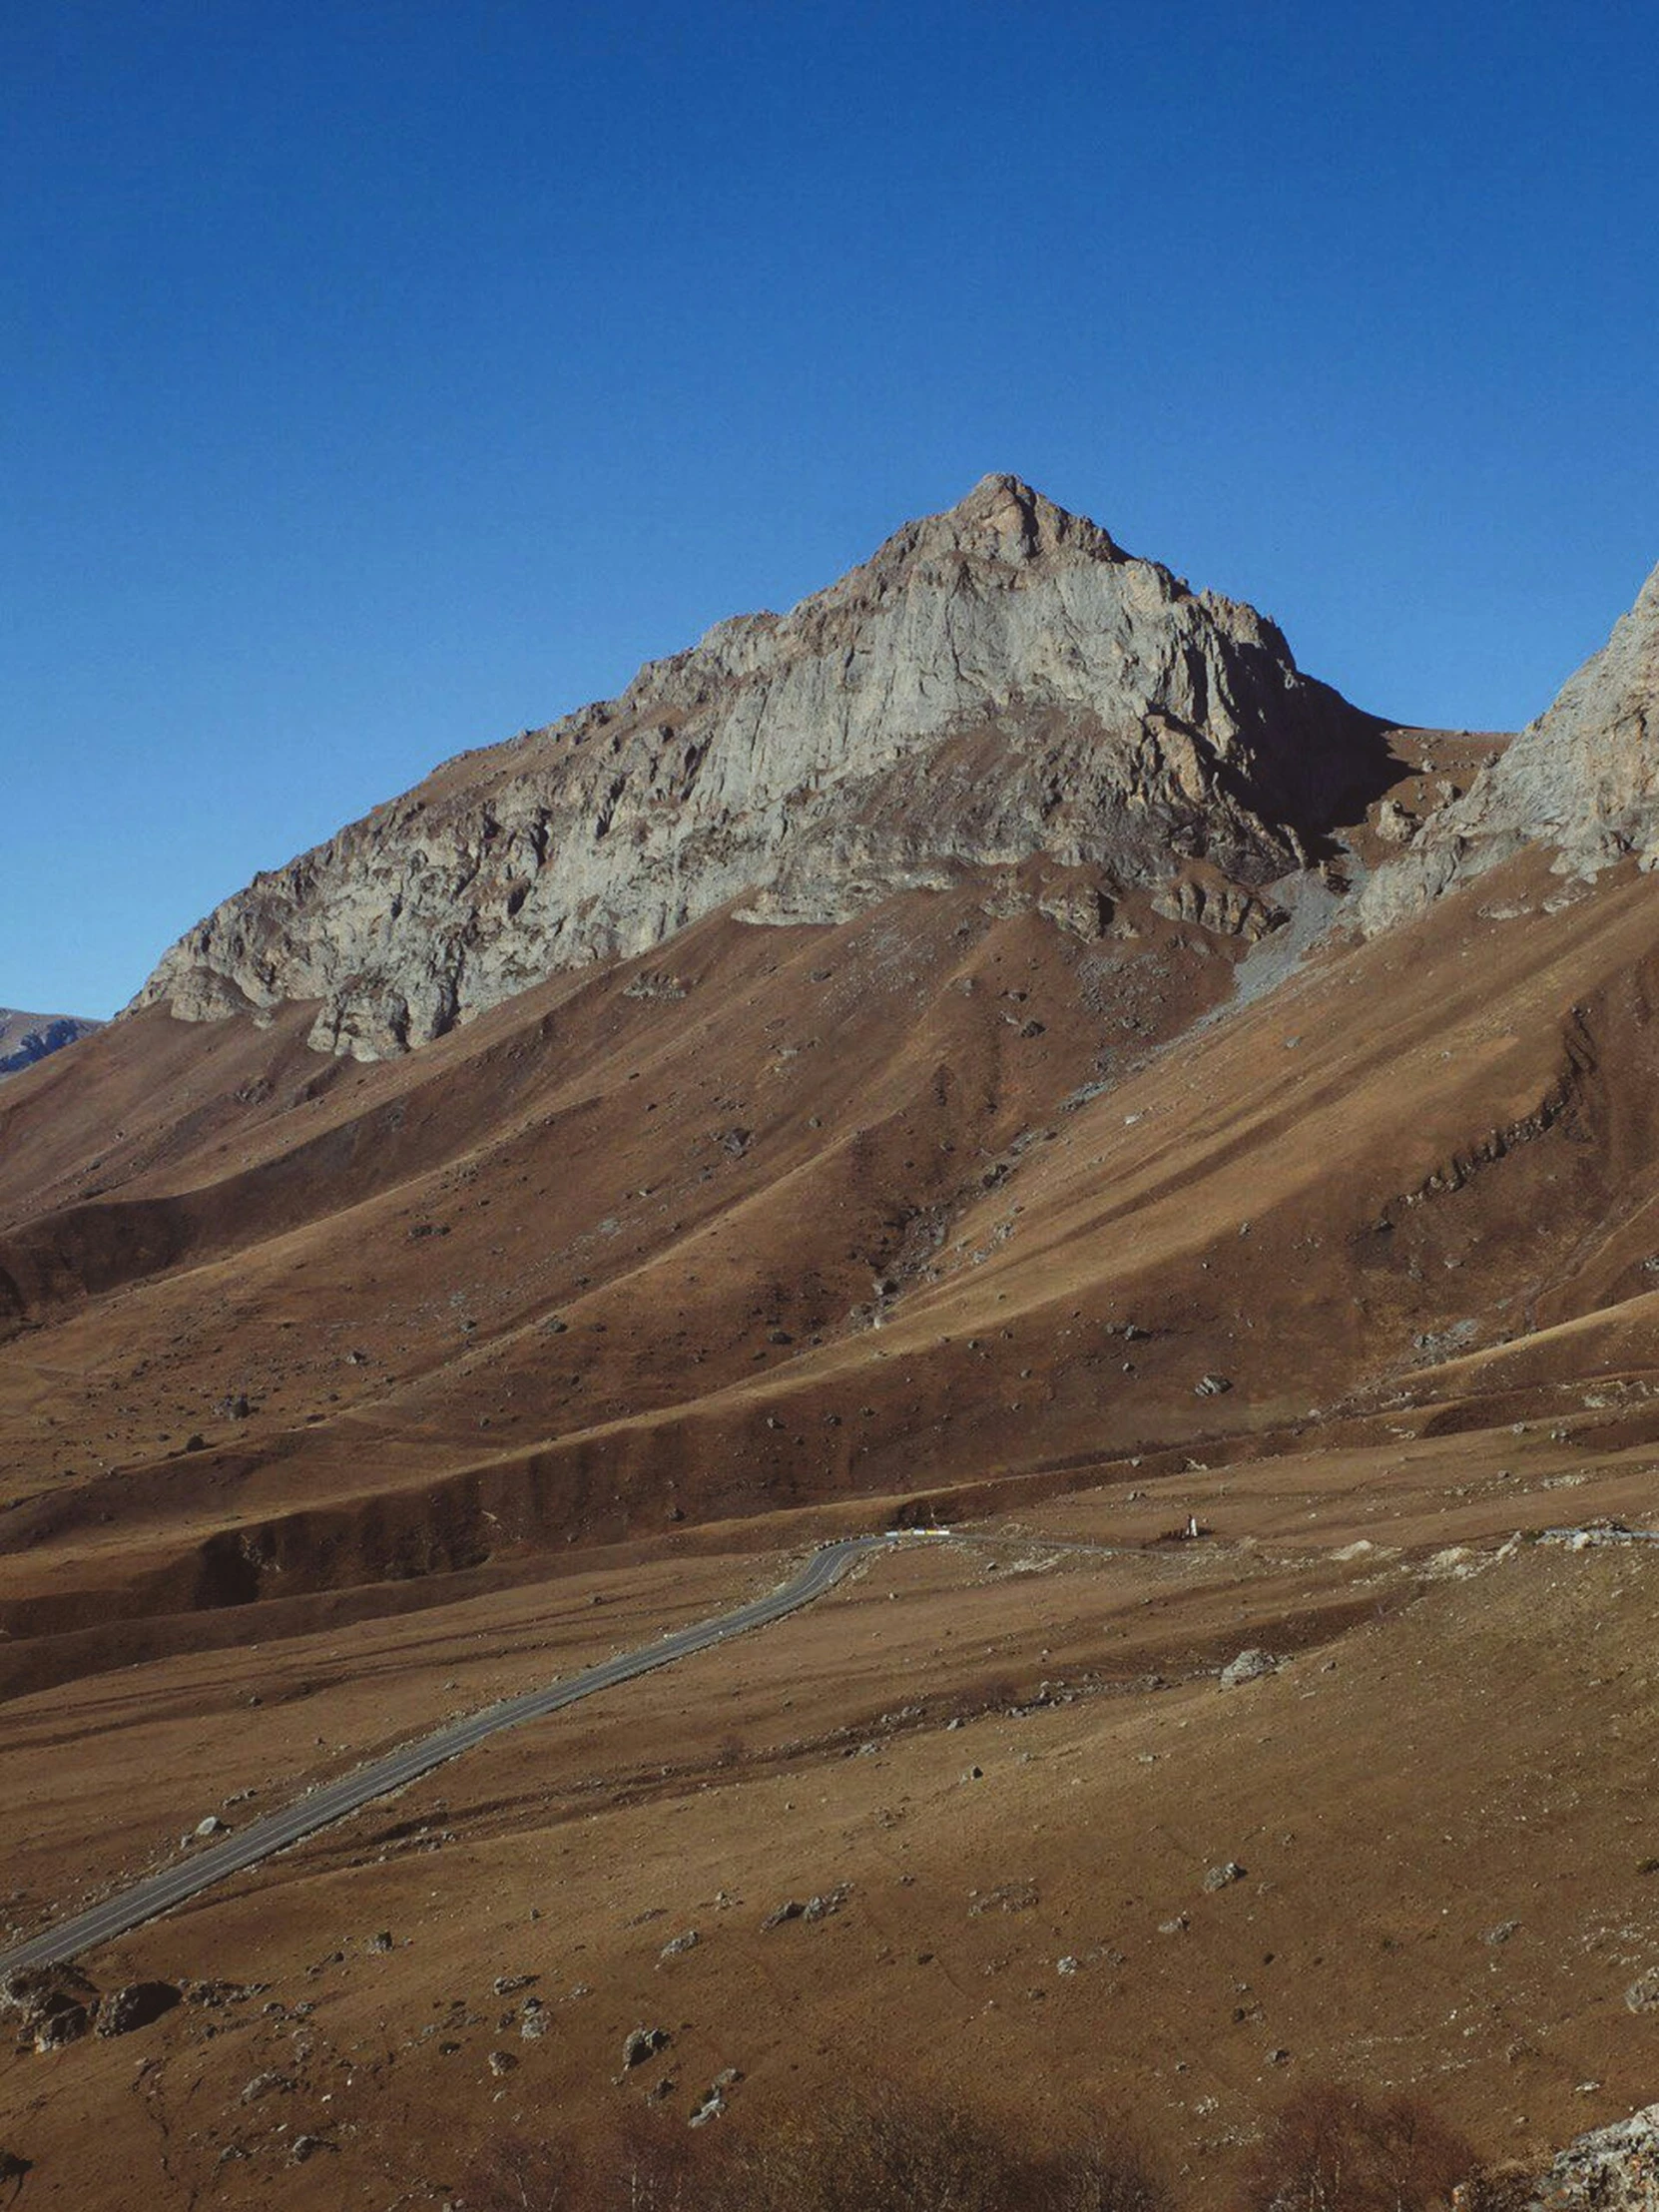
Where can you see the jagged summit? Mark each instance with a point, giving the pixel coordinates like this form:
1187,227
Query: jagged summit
995,682
1002,519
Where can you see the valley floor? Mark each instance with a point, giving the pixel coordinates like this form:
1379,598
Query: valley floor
1005,1761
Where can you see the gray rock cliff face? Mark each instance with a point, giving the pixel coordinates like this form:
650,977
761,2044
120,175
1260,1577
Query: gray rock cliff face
1583,778
996,682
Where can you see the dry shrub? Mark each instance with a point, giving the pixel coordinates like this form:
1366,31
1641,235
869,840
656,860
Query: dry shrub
519,2176
885,2151
873,2151
657,2165
1108,2176
1334,2149
651,2163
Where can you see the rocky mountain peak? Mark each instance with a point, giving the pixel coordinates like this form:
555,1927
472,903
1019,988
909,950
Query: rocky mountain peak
995,682
1001,520
1583,778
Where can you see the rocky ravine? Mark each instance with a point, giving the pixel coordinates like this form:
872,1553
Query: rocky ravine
994,683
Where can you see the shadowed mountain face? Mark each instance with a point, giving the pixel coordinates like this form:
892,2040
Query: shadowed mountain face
996,685
28,1038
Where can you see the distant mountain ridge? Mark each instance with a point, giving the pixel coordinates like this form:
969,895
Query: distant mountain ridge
995,682
28,1038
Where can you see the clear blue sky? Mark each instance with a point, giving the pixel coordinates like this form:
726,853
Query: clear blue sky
377,380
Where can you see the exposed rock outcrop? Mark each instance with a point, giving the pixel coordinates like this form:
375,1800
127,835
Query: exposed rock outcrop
1615,2169
1583,778
995,682
138,2004
26,1038
53,2004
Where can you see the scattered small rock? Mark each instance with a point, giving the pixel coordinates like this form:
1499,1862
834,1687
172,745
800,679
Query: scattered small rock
216,1993
644,2043
712,2103
501,2063
1643,1994
1248,1666
1007,1897
265,2084
677,1946
1222,1877
814,1908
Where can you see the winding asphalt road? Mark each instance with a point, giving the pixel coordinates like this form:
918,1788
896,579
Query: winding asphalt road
275,1832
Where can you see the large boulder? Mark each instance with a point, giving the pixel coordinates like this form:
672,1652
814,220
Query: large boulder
138,2004
67,2025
